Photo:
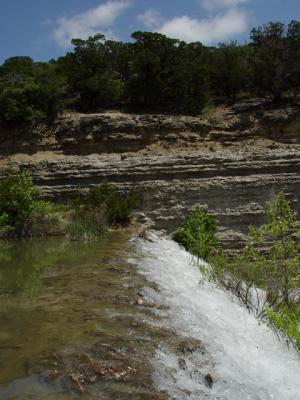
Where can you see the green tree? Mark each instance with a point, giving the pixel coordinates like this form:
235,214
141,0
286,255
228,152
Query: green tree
18,199
92,75
152,73
230,70
167,74
198,234
293,43
266,274
269,60
30,92
152,52
282,258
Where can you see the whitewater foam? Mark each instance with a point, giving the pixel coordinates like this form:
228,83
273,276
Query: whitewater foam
249,362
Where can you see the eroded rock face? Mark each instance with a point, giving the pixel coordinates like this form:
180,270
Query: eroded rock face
231,162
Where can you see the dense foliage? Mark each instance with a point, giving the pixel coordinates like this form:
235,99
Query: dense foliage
118,207
198,234
29,91
22,212
151,73
18,198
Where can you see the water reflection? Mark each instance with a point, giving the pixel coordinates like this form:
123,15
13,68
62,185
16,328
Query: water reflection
57,293
82,322
22,263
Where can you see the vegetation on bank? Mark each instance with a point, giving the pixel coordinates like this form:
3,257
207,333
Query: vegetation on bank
102,206
24,214
151,73
198,234
265,275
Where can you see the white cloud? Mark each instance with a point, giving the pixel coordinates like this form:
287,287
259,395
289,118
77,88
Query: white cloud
208,30
96,20
151,19
212,5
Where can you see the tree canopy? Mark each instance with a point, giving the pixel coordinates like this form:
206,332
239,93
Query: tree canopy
151,73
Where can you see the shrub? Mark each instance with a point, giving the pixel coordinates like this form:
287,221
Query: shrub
118,207
44,221
21,211
18,198
198,234
102,206
265,275
286,321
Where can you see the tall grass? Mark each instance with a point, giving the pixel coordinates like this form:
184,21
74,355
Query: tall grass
103,206
86,224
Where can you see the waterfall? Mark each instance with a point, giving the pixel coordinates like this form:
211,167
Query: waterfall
244,357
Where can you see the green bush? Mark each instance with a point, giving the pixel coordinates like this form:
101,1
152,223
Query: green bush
45,220
18,197
118,207
22,213
286,321
271,262
198,234
102,206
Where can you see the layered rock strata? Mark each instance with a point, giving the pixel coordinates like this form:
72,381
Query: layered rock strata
232,161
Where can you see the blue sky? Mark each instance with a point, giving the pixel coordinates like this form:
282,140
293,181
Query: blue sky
42,28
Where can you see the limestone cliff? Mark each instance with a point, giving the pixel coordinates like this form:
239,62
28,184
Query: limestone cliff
231,160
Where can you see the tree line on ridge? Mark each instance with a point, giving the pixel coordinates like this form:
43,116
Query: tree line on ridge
151,73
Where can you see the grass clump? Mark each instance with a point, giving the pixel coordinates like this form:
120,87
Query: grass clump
103,206
86,224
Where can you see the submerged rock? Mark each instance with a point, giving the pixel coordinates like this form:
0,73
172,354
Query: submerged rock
181,363
208,380
190,345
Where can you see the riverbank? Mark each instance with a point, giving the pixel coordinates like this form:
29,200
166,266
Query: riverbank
24,214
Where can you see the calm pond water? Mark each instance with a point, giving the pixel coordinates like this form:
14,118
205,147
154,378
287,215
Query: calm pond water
67,304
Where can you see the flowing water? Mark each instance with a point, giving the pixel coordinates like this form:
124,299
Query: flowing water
126,318
248,360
